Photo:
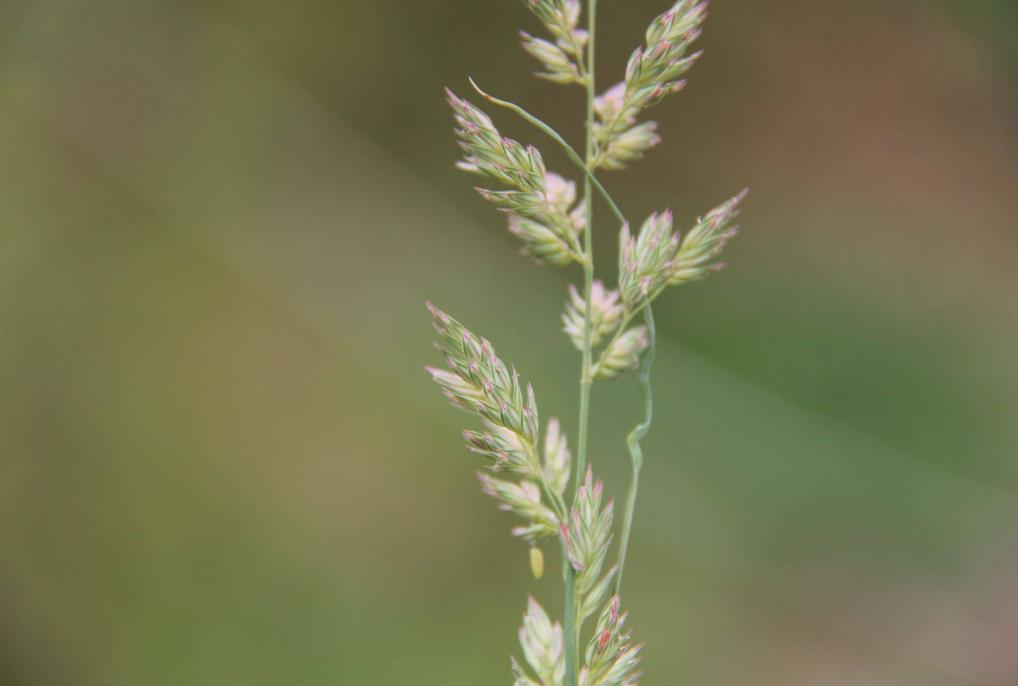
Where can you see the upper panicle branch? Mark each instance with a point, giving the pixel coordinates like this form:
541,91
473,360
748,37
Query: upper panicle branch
563,57
540,204
653,71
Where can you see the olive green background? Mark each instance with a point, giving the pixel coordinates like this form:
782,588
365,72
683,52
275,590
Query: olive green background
222,464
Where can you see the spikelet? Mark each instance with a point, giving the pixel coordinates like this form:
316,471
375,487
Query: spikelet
538,212
541,641
654,71
524,500
659,257
588,534
644,259
556,458
704,242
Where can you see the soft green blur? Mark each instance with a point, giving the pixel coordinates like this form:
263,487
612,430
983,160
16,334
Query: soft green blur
222,464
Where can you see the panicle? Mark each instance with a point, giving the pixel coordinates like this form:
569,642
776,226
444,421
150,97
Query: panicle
538,202
605,314
653,71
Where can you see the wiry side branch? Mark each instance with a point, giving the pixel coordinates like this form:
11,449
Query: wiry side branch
574,157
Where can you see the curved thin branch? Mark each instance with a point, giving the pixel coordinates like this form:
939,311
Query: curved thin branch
633,442
555,136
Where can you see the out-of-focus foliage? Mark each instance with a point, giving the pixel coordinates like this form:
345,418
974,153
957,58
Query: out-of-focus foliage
220,459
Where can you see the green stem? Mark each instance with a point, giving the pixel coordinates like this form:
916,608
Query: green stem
571,630
571,153
633,442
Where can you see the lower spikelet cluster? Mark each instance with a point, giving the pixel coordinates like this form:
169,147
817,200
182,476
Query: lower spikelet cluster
479,382
610,659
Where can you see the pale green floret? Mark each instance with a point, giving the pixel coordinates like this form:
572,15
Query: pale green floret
523,499
623,354
605,314
704,242
541,641
556,458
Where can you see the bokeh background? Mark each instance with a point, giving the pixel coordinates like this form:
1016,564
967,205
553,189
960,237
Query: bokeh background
221,462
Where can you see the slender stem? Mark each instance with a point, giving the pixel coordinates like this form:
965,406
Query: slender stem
571,632
574,156
633,442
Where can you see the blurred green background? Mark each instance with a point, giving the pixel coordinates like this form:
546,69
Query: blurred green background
221,462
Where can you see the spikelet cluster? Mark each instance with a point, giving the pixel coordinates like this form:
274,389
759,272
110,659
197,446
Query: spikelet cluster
561,57
658,257
654,71
611,658
478,382
541,641
540,204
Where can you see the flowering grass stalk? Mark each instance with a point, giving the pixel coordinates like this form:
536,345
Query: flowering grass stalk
528,476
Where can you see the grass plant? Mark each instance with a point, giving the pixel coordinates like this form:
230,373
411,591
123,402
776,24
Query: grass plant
612,329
